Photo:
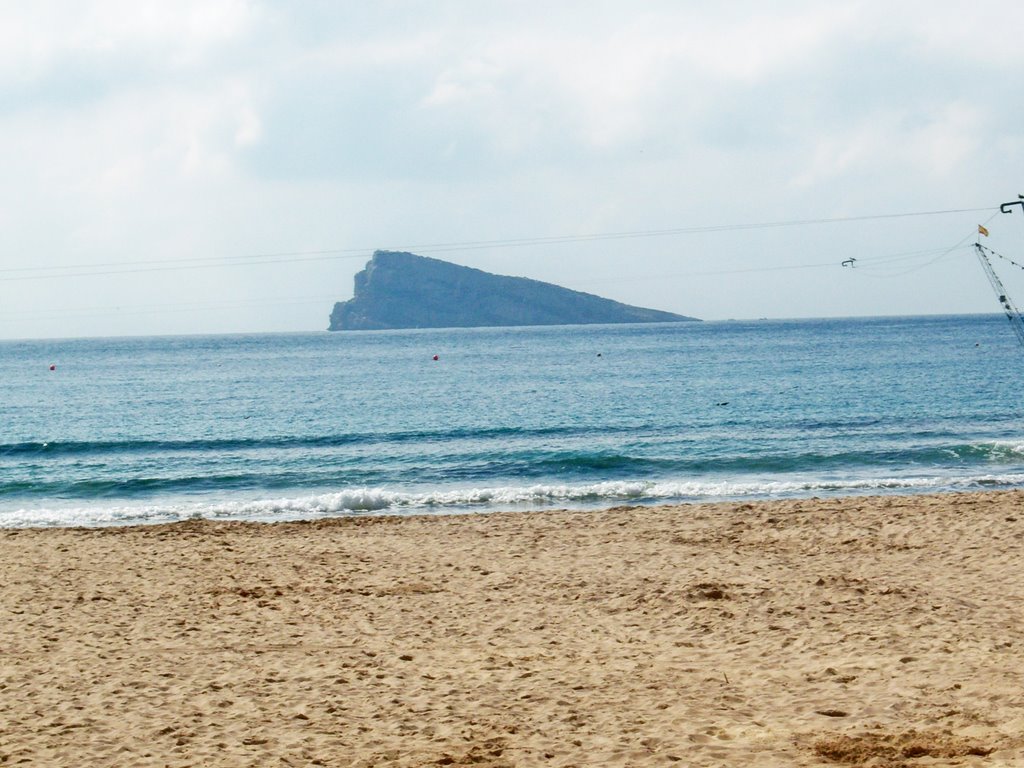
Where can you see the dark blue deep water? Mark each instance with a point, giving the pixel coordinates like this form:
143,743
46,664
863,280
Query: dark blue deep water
291,426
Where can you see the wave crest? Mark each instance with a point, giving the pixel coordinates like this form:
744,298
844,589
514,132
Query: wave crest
373,501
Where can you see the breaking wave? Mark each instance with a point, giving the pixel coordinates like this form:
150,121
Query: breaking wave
379,501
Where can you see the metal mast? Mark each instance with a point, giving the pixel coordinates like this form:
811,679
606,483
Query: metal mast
1012,313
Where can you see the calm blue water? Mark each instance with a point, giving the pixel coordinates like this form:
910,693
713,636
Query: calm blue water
274,427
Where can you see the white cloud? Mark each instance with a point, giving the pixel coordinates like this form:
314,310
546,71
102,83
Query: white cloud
52,39
949,143
929,147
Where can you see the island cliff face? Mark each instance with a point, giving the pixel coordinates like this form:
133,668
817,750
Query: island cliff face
403,290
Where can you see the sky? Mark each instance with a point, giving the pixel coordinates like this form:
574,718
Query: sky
227,166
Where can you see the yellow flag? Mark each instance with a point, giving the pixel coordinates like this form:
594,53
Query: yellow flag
982,230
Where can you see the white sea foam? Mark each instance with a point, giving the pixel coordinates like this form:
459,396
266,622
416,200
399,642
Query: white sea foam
369,501
1011,447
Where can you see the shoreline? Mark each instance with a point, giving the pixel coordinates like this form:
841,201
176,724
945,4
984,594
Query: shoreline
855,630
121,516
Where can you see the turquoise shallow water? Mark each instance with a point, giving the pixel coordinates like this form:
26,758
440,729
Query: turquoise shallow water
296,426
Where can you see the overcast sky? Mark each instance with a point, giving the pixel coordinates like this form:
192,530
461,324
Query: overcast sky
156,152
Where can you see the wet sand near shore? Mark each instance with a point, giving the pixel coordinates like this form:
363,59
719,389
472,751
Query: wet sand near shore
883,631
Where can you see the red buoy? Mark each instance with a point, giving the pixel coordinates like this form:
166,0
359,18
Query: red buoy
53,367
435,357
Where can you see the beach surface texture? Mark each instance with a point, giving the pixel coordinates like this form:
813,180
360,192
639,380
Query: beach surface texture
882,631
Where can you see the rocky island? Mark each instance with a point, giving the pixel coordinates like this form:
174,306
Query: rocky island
403,290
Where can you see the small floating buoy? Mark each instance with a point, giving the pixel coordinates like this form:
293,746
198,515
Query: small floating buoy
436,357
53,367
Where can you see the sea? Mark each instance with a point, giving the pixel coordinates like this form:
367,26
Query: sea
269,427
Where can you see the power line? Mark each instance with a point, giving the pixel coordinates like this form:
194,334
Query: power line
865,263
683,230
189,263
196,260
192,306
944,254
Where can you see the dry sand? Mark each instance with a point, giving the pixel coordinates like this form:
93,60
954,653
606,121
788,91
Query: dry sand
857,631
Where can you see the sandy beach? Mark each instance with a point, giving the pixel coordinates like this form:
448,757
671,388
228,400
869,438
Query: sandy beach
855,631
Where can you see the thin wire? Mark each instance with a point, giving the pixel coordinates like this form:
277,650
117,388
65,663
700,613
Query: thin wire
882,262
317,299
942,255
875,263
690,230
886,272
1004,258
196,259
135,267
195,306
177,267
